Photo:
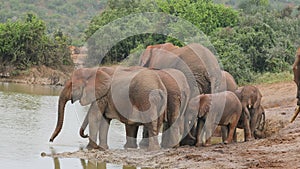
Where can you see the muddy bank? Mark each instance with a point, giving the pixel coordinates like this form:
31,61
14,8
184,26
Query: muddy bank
41,75
279,150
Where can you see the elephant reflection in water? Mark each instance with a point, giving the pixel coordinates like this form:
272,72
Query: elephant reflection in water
89,164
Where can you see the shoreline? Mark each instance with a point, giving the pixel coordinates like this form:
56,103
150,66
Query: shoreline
41,75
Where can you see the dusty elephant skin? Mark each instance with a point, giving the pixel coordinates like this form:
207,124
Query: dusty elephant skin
131,98
177,95
201,106
250,97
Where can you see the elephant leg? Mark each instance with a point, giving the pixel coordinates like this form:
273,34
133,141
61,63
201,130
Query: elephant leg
224,132
200,126
131,135
153,135
172,128
103,132
235,136
93,131
247,130
232,129
94,123
145,140
253,120
165,135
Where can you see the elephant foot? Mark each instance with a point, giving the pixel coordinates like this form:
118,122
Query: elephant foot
103,147
259,134
92,145
187,141
176,146
228,141
153,148
249,139
206,145
198,144
144,143
130,145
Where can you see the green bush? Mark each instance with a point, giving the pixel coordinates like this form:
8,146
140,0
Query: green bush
24,44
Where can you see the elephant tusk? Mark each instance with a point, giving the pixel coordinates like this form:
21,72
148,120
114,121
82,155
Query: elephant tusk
295,114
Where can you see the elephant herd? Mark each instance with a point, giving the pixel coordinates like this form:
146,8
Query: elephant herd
179,91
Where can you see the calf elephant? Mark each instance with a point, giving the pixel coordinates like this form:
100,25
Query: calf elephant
135,96
250,98
228,83
178,93
202,105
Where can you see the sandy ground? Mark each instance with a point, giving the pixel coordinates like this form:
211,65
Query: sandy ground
281,148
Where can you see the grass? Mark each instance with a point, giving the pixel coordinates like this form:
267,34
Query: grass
269,78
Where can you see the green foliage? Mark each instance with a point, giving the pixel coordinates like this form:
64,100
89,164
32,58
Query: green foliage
203,15
268,78
265,41
231,55
24,44
108,26
71,16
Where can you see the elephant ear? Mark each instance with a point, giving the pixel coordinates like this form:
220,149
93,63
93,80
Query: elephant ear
96,87
193,107
205,102
145,57
79,78
258,99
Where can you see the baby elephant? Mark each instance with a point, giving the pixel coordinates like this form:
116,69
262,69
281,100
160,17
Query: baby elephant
222,108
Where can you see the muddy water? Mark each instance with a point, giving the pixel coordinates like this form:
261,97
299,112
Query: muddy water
27,119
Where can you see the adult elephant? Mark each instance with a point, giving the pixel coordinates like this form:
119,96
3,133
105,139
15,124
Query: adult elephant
135,96
178,93
228,83
296,70
194,60
197,63
250,98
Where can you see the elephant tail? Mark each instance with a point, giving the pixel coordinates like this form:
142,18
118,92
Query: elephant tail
162,103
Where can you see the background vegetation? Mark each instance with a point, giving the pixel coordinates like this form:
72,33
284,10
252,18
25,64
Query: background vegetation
250,37
71,16
24,43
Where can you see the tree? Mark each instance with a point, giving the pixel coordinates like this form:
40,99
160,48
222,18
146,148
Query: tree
203,14
24,44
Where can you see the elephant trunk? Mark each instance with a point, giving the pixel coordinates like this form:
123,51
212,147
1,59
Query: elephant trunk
63,99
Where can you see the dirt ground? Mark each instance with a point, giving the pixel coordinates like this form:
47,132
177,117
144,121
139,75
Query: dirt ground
281,148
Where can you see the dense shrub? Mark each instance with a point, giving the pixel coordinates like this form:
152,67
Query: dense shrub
25,43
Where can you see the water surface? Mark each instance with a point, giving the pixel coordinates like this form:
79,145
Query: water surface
28,118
